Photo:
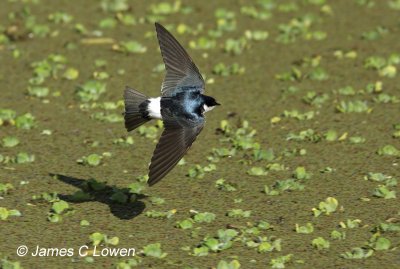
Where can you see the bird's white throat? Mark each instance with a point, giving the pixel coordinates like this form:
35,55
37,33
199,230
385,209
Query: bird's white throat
207,108
154,108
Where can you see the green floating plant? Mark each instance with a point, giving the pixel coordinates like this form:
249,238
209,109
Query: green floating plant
297,115
150,132
356,106
357,139
307,229
59,208
238,213
201,217
394,4
383,191
5,188
129,263
320,243
199,172
279,262
108,23
350,223
185,224
299,28
107,117
99,238
71,73
388,150
222,241
328,206
160,214
256,35
114,5
257,171
90,91
5,213
9,141
301,173
91,160
60,17
377,33
281,186
223,70
204,43
255,13
337,235
38,91
154,250
306,135
357,253
222,184
315,99
129,47
26,121
234,264
23,157
265,244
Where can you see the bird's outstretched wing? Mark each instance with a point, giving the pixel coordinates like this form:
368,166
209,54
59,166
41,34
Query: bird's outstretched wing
174,143
181,70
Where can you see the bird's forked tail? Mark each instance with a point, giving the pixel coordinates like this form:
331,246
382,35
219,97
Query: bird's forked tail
135,109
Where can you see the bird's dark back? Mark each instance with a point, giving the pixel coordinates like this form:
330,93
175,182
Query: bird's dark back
186,104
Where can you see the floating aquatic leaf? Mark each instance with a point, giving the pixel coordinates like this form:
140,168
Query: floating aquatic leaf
257,171
26,121
24,157
234,264
203,217
221,184
185,224
279,262
338,235
38,91
10,141
388,150
307,229
131,47
301,173
60,206
5,213
237,213
328,206
71,73
384,192
357,253
382,243
5,188
320,243
356,106
357,139
154,250
90,90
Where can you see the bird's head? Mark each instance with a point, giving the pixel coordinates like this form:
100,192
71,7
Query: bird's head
209,103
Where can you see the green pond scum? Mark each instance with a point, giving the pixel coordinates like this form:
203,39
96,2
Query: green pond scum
298,168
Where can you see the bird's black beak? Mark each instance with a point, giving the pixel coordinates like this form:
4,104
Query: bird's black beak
217,104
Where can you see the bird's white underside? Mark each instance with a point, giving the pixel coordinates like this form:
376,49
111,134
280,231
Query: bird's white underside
154,108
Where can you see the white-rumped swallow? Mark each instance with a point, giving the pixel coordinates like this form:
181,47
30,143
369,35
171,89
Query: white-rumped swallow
181,106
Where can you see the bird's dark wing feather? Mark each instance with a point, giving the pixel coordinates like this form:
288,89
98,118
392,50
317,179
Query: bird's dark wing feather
181,70
174,143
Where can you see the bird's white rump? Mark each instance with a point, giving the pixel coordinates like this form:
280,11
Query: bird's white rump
154,108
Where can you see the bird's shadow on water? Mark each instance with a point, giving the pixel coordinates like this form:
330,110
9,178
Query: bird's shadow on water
123,204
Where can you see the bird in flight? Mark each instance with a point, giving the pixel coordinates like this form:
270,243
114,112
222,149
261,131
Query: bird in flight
181,106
